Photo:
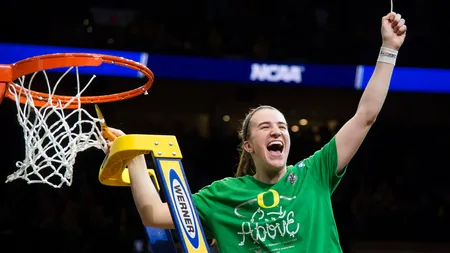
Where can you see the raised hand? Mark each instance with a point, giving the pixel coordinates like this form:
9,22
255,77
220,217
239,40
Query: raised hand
393,31
116,133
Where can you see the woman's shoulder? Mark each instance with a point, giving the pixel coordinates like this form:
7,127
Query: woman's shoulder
226,184
230,182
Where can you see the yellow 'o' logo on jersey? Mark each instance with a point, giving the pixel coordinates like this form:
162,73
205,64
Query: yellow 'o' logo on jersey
275,196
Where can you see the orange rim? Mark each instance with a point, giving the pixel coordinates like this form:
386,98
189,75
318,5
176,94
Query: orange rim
10,73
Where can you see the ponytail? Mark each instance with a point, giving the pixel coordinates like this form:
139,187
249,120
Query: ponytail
246,165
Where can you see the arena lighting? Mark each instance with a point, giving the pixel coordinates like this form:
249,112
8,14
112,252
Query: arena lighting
303,122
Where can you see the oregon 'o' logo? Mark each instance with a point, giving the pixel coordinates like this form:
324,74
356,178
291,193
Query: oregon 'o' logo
184,208
275,196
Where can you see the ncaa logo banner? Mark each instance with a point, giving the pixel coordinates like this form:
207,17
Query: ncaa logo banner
184,214
275,73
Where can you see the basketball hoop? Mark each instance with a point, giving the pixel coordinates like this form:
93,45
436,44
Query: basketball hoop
51,147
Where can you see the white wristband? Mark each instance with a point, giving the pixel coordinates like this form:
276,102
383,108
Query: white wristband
387,55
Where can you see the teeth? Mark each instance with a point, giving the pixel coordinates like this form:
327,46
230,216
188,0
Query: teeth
275,143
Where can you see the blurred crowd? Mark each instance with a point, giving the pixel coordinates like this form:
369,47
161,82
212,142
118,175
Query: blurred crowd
308,31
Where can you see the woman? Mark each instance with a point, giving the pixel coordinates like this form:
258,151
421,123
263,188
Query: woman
269,206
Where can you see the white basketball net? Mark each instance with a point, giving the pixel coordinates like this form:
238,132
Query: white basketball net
51,141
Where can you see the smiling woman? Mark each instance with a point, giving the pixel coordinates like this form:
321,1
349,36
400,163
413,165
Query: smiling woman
268,205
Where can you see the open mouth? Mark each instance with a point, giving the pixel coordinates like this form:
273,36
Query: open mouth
275,147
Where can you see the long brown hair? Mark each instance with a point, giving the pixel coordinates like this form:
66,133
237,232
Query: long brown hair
246,165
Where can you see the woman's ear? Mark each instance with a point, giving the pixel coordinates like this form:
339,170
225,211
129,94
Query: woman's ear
248,147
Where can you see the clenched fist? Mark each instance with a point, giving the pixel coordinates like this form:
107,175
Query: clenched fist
393,30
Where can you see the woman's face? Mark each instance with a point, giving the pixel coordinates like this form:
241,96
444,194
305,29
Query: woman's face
269,141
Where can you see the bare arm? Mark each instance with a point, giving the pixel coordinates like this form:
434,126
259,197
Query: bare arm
351,135
152,210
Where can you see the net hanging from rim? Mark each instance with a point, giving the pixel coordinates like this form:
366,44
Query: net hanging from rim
57,127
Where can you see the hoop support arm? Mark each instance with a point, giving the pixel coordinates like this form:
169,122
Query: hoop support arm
114,171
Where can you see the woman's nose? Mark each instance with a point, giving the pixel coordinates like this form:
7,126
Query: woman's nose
275,133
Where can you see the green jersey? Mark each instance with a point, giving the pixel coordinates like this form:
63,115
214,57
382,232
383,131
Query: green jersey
293,215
